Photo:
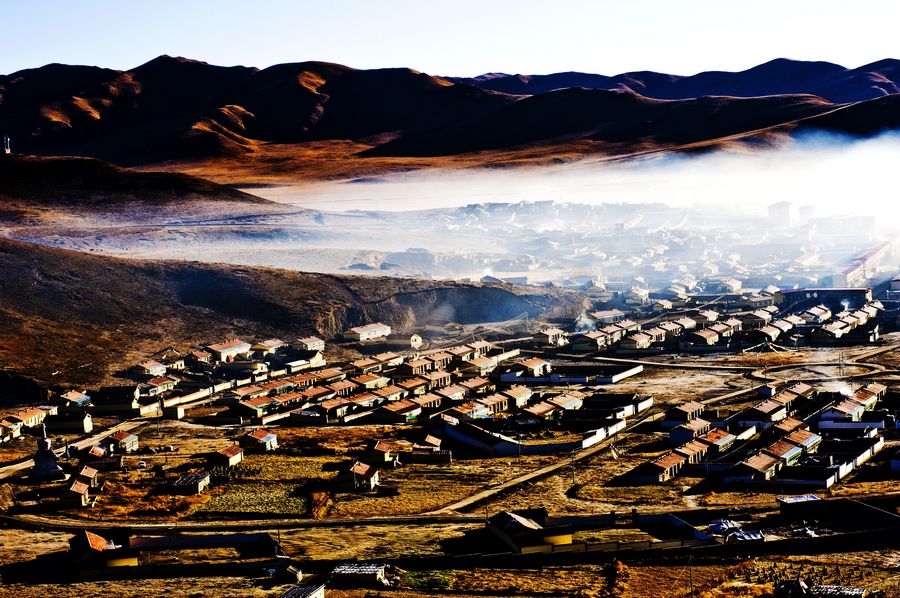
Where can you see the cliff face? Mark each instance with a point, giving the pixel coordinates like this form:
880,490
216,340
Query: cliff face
75,318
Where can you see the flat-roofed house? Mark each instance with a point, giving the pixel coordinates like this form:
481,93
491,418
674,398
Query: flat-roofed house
368,332
269,346
310,343
229,350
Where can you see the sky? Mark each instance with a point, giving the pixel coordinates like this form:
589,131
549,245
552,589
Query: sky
458,37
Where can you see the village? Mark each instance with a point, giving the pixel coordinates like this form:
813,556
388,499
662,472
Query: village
447,419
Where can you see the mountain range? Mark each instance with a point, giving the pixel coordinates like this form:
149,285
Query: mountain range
286,117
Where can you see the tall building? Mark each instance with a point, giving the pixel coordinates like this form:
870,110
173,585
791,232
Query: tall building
7,150
781,214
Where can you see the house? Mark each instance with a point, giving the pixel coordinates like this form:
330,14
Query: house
519,395
764,334
404,341
683,413
789,424
88,475
122,442
364,477
805,439
414,367
534,367
719,440
371,381
693,451
594,340
245,367
310,343
788,453
76,495
343,388
496,403
242,393
149,367
755,319
550,336
656,334
686,324
268,347
454,392
542,410
462,353
197,356
706,318
667,466
160,385
816,315
437,379
229,350
260,440
760,466
428,401
763,415
229,456
414,386
637,340
703,337
73,400
722,329
30,417
368,332
477,386
195,483
439,360
671,329
480,366
397,412
688,431
846,409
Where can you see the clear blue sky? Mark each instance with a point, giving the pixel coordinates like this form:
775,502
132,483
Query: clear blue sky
461,37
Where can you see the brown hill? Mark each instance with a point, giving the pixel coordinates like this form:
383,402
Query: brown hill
322,120
86,182
70,317
612,117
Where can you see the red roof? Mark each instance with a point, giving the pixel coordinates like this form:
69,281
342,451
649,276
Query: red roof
231,451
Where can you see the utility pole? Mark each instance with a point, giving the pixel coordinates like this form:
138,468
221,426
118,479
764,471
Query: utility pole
691,574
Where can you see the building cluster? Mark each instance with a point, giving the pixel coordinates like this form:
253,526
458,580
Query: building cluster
731,327
794,436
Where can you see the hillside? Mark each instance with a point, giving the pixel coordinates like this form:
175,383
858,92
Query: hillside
833,82
317,120
74,318
86,182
